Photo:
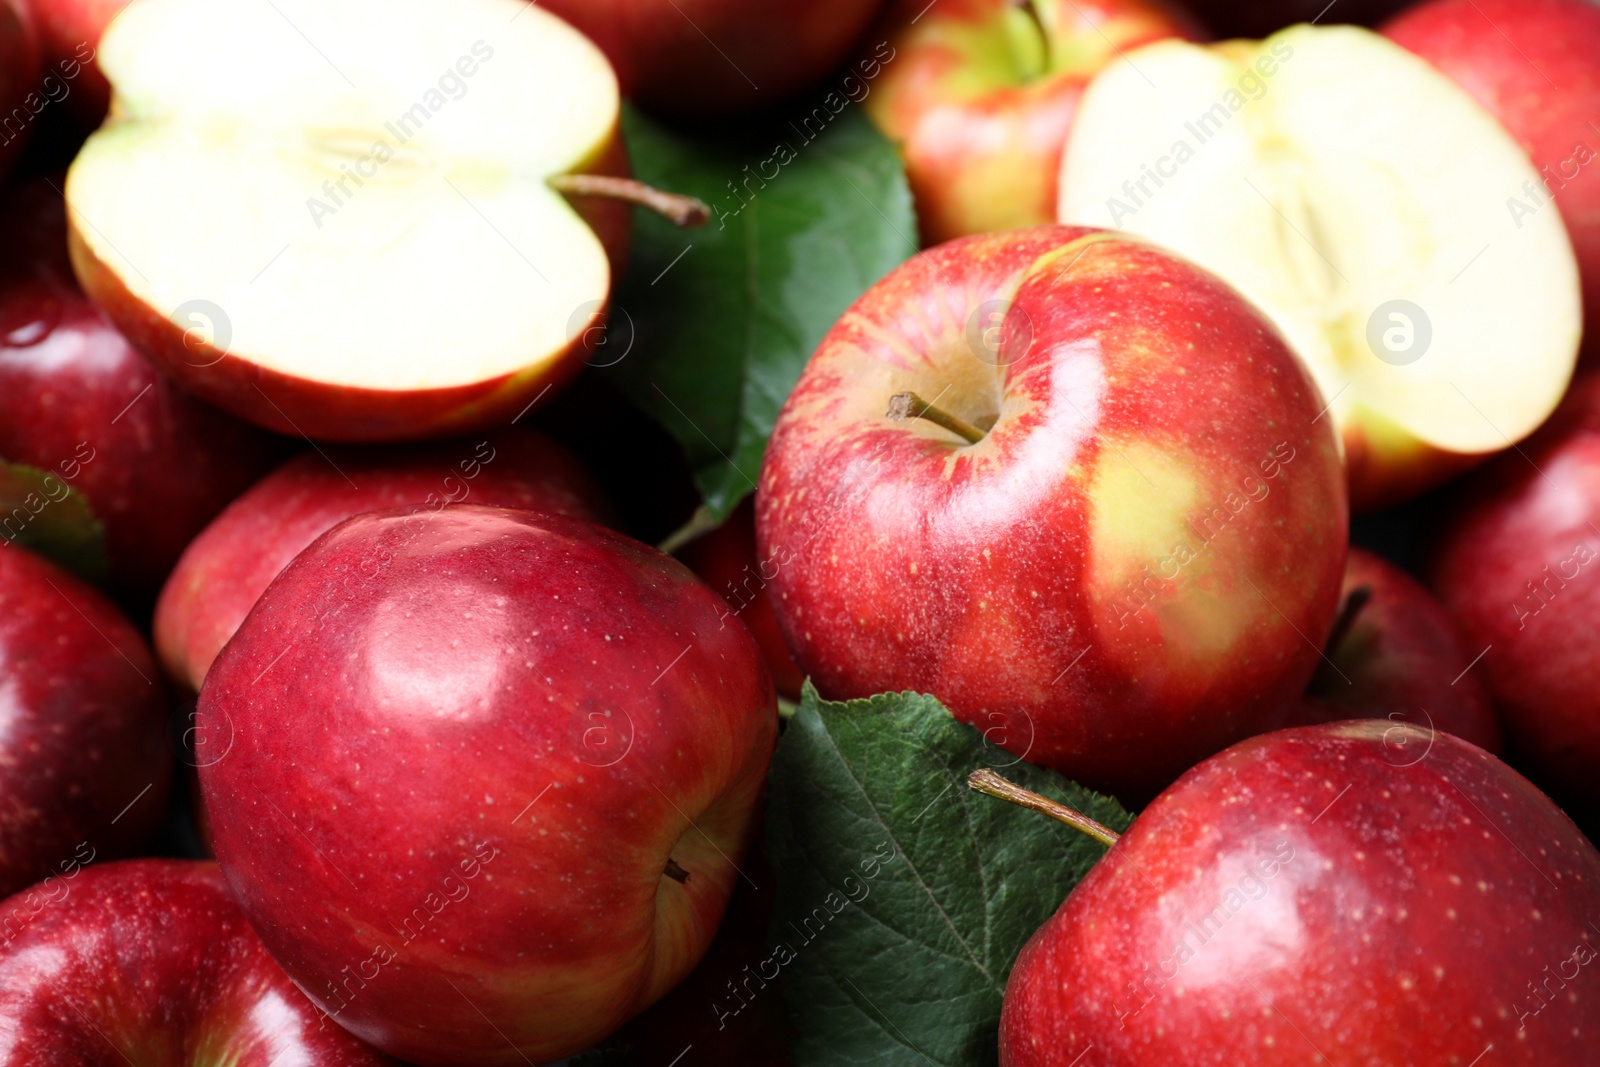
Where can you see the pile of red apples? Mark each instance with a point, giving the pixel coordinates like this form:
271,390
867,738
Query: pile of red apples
1233,439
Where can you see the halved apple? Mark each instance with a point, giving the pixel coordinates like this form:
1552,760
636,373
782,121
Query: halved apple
1358,197
340,217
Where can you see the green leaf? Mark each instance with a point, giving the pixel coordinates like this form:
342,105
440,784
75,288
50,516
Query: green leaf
41,512
718,322
908,966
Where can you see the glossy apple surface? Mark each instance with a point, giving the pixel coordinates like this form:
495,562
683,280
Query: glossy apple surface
84,762
1400,658
1360,892
1517,566
727,560
718,57
150,959
1129,569
79,402
19,73
484,740
1535,65
228,566
980,96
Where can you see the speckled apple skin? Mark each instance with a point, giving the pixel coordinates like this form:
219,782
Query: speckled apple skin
1032,581
1403,660
226,569
1378,896
496,726
152,959
83,725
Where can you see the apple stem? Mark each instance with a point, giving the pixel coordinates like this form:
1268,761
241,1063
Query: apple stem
676,873
1358,598
700,523
986,781
678,209
1031,9
911,406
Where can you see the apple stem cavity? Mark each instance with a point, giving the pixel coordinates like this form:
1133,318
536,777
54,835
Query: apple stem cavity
986,781
676,873
904,406
678,209
1348,611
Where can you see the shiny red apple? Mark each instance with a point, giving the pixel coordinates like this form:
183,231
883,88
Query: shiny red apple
84,763
1122,540
20,97
1535,65
1353,893
512,760
149,962
226,569
80,403
1396,654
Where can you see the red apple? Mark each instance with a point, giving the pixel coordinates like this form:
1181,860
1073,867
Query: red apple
511,758
1396,654
226,569
80,403
1534,64
20,99
1126,549
84,762
1354,893
1518,568
69,31
727,560
980,95
150,962
717,57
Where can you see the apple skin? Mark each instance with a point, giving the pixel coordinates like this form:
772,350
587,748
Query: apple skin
19,75
69,33
78,401
83,722
1067,584
1515,566
1534,65
726,559
329,411
439,716
1376,894
981,141
154,959
229,565
703,58
1403,660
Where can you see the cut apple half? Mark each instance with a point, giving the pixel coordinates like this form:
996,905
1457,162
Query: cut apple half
1360,198
337,217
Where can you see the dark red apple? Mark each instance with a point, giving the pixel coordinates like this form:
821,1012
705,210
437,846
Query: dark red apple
726,558
1535,65
84,763
20,98
1122,543
1395,654
1353,893
513,760
716,57
225,569
149,962
1518,567
80,403
69,32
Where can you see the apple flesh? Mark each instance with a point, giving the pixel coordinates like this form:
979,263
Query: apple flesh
1399,658
230,564
1359,892
1366,215
1516,566
397,265
551,705
1127,571
1535,65
152,958
80,403
83,741
717,57
980,96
